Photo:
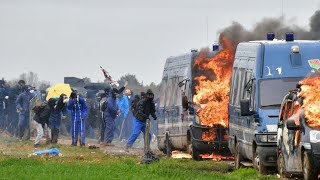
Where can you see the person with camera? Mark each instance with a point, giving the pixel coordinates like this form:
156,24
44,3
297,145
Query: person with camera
79,111
58,112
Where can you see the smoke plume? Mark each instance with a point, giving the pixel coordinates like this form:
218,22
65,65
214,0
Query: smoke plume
238,33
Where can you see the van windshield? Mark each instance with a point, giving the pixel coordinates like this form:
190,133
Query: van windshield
272,91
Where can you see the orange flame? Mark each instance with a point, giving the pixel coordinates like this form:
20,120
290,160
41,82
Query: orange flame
216,157
209,136
311,102
211,94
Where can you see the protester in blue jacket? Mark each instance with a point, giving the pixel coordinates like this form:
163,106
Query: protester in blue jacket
111,110
79,111
22,105
58,112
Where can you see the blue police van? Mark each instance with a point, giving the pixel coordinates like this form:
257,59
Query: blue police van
179,127
263,73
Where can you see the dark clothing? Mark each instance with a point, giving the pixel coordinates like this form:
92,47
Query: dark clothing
57,110
110,113
56,114
42,114
145,108
111,108
22,104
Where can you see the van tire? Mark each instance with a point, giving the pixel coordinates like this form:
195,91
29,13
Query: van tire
195,154
237,156
258,165
281,165
168,146
309,172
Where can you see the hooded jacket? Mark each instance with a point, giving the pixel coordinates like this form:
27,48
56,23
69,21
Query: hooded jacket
146,107
111,107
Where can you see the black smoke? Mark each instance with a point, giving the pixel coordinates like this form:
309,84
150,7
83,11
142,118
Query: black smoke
238,33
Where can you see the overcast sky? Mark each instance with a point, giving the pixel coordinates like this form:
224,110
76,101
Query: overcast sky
57,38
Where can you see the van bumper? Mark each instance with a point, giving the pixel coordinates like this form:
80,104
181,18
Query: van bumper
268,154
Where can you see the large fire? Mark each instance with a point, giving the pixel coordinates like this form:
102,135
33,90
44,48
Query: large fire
311,102
210,135
212,85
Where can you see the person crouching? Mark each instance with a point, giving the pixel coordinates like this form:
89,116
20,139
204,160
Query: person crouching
79,111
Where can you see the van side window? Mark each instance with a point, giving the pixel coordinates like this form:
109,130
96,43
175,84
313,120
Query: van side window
239,86
169,92
249,87
234,86
173,92
231,94
163,89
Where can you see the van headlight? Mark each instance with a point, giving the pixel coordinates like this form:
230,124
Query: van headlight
314,136
272,138
267,138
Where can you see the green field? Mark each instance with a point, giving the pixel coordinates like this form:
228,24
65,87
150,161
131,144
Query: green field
83,163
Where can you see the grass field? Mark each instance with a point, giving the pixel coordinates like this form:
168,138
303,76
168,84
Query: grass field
83,163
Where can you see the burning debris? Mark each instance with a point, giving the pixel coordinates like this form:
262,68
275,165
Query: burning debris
216,157
310,93
212,79
180,155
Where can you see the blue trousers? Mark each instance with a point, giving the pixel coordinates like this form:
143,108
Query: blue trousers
78,129
110,129
23,123
138,126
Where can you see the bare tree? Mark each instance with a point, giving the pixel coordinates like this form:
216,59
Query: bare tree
30,78
43,85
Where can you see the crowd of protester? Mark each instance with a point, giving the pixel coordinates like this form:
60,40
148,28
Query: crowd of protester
112,114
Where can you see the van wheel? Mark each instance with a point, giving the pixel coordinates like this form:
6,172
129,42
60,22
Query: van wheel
281,166
258,164
237,156
308,171
168,146
195,154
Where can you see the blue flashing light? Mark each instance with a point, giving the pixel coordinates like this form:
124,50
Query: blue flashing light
270,36
290,36
215,47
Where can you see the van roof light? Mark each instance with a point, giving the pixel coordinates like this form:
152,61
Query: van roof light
290,36
215,47
270,36
295,49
